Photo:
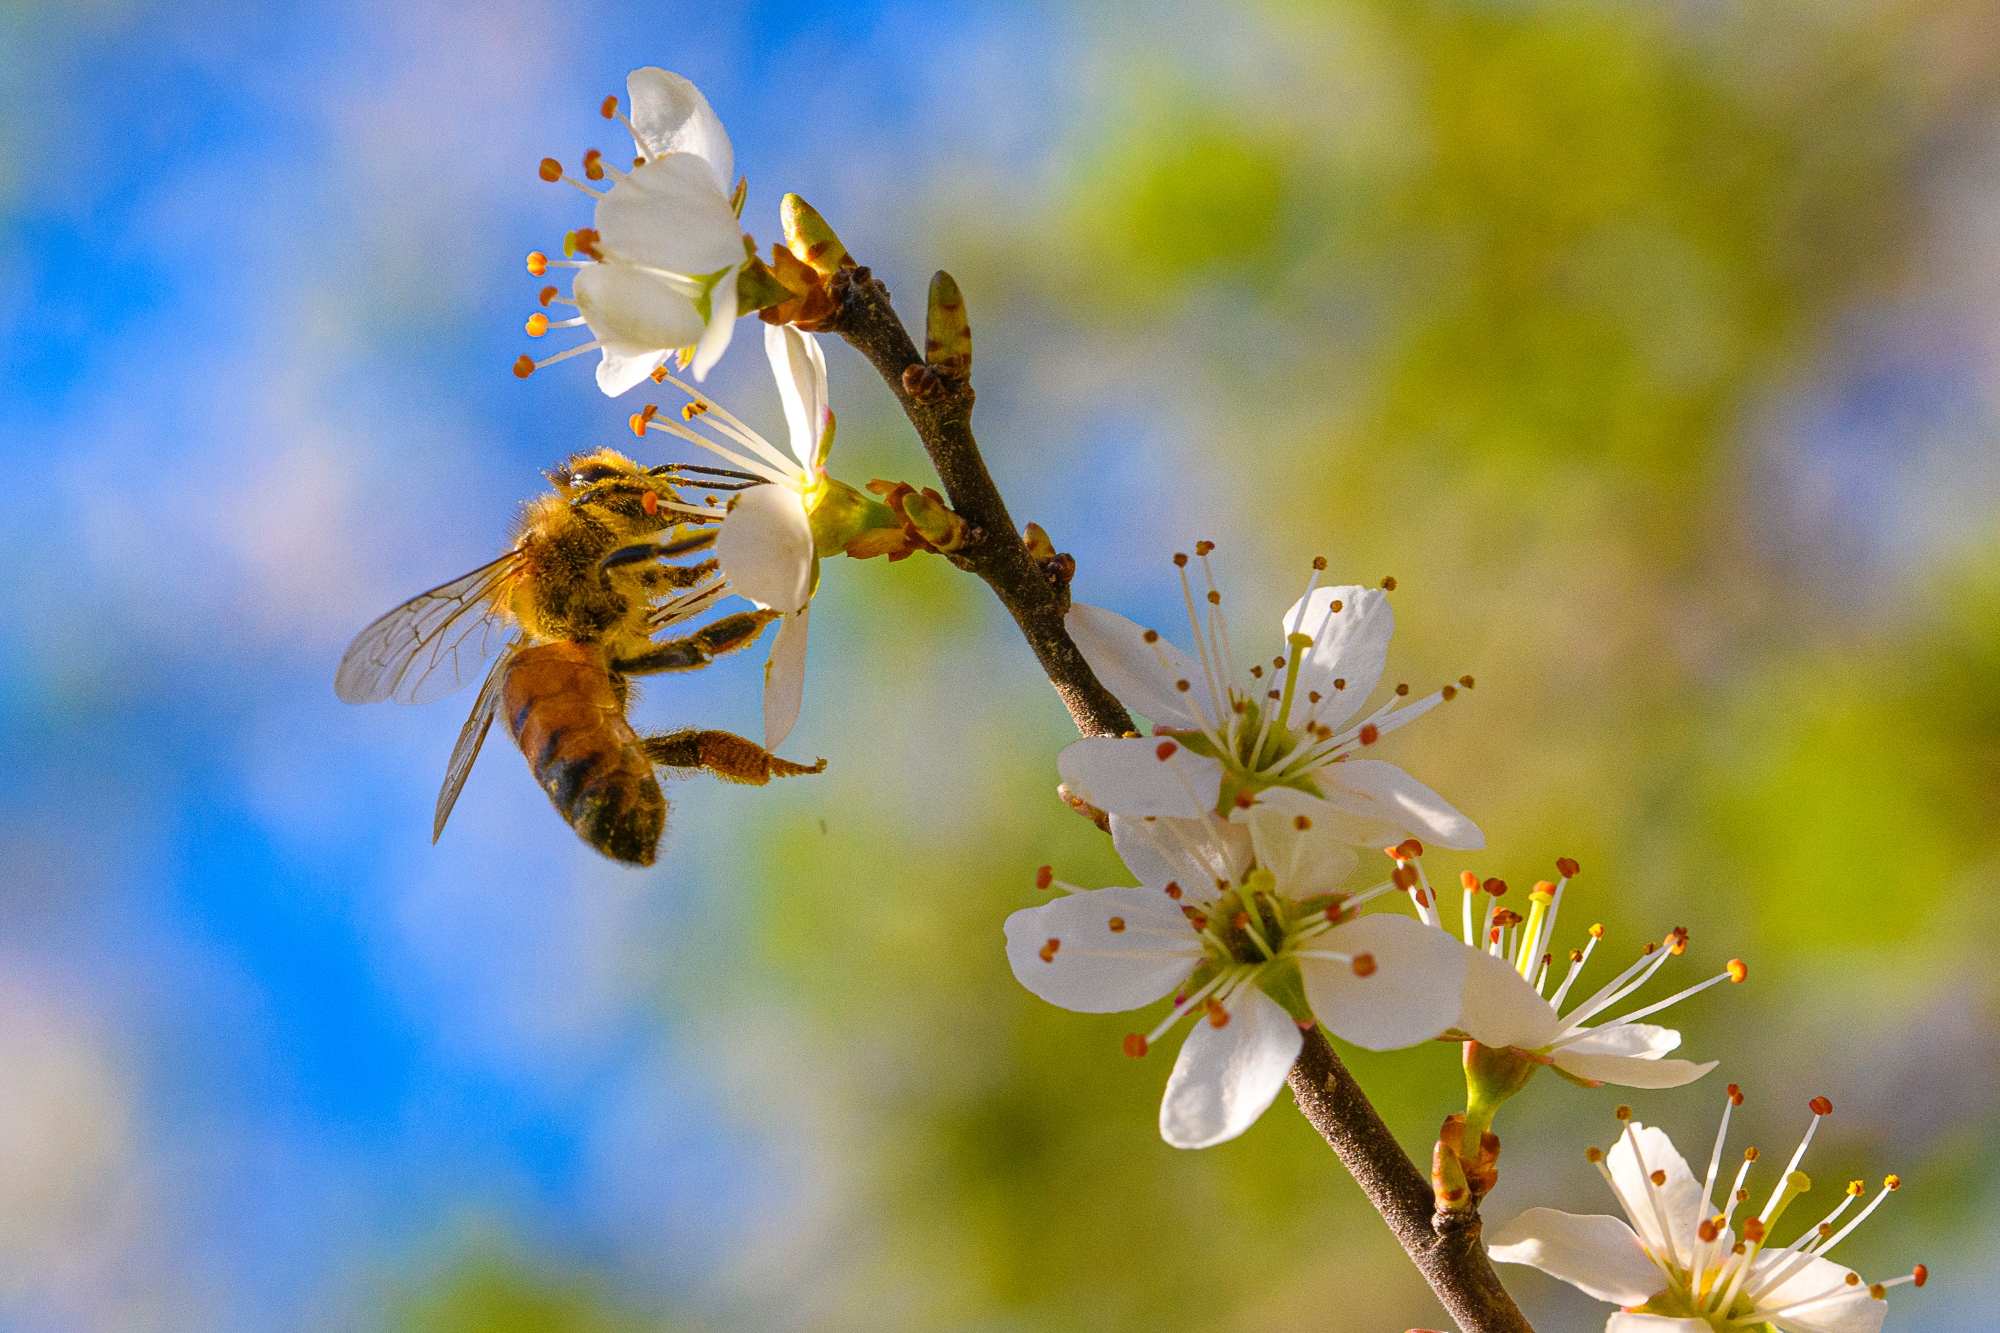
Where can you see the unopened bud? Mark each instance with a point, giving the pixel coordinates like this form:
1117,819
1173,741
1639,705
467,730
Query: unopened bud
947,332
809,237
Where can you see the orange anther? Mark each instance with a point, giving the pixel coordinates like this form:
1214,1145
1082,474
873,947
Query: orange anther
1409,849
1821,1106
1389,584
551,169
1243,800
593,165
1369,734
1892,1183
1466,681
1708,1231
1920,1275
1364,965
1448,693
1402,689
1622,1112
524,366
1749,1155
546,295
1735,1095
1045,877
1135,1045
1117,925
1180,559
1468,881
1878,1291
1658,1177
1496,887
1593,1154
1597,931
538,324
1403,876
538,263
1567,867
1049,950
1203,548
1302,822
1319,563
660,375
1164,751
1737,970
1173,889
1240,920
650,502
1151,636
610,107
1214,597
1218,1017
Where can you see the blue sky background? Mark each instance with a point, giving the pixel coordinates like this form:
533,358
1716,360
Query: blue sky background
262,1049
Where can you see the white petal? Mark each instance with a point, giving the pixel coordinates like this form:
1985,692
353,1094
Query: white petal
1817,1299
1315,859
671,116
1379,790
1190,854
1143,675
667,214
1630,1072
1094,969
620,368
766,548
1680,1199
721,326
1227,1075
1126,776
1654,1323
1643,1040
1411,996
1498,1008
1597,1255
785,679
799,366
1353,650
633,313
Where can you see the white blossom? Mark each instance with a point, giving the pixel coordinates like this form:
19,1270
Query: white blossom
661,255
1240,921
1297,725
1676,1263
765,547
1507,1003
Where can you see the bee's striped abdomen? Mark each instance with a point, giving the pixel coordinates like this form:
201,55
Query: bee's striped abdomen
568,721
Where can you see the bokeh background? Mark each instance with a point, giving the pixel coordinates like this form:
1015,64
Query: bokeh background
1654,347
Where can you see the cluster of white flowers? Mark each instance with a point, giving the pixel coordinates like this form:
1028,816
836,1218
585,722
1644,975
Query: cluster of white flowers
1243,815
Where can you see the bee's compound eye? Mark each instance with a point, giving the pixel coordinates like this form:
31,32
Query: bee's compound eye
594,472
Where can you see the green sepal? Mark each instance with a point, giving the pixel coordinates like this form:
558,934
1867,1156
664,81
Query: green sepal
1282,982
1492,1076
757,288
844,514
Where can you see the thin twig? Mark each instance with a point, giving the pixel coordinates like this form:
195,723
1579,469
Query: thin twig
942,413
1446,1249
1444,1246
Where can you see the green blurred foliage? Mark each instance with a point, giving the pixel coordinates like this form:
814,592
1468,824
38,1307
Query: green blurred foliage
489,1289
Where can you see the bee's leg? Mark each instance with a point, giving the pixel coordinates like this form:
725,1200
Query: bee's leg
678,576
724,754
699,648
638,551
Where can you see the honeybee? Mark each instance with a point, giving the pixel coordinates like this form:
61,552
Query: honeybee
569,614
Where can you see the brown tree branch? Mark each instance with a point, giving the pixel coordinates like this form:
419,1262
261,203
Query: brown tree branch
1445,1250
941,410
1444,1246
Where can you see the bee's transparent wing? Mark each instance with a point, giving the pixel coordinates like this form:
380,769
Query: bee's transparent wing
431,645
470,737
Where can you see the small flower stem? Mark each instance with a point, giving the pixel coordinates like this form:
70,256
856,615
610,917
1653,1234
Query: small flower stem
941,410
1444,1246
